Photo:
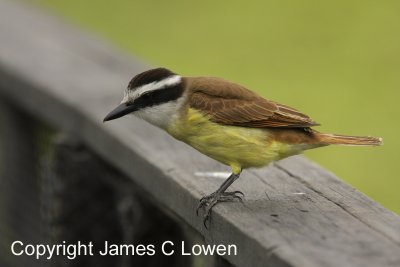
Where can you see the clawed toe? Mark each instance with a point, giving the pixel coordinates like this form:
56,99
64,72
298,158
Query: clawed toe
229,196
211,200
204,201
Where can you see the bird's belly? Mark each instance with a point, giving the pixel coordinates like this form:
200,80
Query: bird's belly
238,147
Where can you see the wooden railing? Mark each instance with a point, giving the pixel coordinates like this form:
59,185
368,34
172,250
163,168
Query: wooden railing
67,176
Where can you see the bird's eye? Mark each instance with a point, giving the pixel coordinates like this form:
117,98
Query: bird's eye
146,96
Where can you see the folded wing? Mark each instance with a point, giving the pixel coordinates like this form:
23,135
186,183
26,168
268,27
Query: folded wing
232,104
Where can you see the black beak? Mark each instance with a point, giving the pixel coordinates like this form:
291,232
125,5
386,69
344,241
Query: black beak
118,112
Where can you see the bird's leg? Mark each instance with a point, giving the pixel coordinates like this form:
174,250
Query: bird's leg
219,196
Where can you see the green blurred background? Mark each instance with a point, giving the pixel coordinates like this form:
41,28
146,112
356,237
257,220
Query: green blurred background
338,61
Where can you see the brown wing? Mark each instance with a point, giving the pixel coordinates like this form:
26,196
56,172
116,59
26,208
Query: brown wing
232,104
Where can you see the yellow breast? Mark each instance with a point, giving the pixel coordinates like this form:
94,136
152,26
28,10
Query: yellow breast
238,147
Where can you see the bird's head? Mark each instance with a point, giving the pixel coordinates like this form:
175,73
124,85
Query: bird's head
154,95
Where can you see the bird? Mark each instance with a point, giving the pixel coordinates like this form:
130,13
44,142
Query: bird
225,121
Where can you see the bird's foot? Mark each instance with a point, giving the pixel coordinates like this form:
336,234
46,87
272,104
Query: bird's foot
211,200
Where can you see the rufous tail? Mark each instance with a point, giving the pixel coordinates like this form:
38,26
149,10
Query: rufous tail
336,139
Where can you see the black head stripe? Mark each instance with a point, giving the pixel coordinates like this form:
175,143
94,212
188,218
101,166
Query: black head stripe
158,97
153,75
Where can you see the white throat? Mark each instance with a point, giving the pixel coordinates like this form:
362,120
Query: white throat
161,115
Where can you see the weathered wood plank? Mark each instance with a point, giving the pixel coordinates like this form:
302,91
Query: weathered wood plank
85,189
344,196
295,214
19,187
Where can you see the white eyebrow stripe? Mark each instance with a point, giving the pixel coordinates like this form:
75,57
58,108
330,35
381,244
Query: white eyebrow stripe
172,80
133,94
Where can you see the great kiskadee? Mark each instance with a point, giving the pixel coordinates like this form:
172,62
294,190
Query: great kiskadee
224,121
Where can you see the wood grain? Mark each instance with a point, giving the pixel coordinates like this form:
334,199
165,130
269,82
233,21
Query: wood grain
295,213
